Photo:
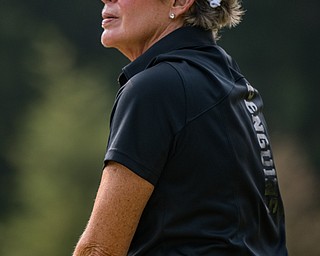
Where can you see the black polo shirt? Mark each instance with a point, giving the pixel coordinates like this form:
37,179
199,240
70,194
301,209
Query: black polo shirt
186,120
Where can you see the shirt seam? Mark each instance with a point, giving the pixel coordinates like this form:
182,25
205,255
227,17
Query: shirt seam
128,165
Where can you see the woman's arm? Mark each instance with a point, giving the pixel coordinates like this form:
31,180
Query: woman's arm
120,201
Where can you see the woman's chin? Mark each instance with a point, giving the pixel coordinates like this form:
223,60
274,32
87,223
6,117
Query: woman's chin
106,40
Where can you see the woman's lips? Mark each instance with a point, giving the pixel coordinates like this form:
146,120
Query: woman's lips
107,18
105,22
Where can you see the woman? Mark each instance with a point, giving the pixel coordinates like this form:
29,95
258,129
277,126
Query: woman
188,168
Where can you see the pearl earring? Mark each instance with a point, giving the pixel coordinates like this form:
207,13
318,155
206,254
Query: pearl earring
172,16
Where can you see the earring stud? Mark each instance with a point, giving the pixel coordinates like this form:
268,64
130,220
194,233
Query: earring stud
172,16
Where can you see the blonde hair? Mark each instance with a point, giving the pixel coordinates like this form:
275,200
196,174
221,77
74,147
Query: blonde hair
201,14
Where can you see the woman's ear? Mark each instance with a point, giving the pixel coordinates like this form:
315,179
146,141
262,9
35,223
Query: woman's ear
179,7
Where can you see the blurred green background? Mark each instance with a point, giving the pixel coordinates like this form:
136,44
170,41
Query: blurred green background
57,85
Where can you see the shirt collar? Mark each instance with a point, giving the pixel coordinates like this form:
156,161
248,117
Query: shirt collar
185,37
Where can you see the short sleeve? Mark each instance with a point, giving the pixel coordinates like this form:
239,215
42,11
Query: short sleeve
148,112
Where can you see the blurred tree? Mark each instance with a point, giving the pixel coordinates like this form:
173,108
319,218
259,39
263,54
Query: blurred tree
22,25
15,90
300,195
58,151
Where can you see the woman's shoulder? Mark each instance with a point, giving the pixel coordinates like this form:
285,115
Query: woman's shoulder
157,80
